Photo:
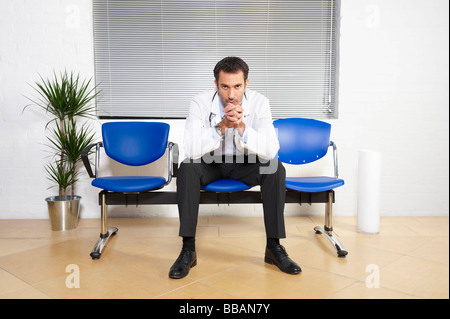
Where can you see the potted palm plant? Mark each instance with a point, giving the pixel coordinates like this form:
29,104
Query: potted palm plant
67,99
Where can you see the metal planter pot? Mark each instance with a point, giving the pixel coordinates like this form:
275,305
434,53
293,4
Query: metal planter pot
63,213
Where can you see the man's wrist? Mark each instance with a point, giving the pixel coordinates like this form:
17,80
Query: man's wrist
241,128
219,130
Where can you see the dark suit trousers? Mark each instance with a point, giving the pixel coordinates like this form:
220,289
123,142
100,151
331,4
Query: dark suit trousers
192,174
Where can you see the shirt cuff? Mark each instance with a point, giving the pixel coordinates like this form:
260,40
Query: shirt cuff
243,137
216,137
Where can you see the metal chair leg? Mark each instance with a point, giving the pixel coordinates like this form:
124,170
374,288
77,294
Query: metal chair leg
105,233
327,230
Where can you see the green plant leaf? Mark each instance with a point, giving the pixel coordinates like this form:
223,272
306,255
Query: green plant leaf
65,97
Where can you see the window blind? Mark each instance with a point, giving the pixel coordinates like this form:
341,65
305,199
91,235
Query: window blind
152,57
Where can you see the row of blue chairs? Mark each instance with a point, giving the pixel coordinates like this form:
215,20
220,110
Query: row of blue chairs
302,141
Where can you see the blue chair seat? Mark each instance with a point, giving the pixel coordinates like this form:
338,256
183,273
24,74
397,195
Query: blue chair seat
128,184
226,186
313,184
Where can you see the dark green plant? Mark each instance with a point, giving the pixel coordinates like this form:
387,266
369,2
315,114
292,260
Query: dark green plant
66,98
60,173
68,142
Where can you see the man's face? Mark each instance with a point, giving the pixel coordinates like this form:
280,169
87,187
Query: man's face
231,87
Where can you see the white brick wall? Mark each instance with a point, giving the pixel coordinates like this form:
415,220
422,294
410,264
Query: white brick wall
393,98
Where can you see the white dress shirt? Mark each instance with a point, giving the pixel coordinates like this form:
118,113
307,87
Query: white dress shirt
206,111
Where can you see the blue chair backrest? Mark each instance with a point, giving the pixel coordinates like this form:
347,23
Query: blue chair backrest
302,140
135,143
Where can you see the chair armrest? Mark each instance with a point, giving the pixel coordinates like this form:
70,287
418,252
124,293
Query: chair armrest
85,158
175,156
172,160
335,159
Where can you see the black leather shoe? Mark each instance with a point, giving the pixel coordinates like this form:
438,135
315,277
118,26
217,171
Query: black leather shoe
279,257
185,261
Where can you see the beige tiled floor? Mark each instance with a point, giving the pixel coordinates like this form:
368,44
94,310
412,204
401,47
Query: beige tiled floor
409,259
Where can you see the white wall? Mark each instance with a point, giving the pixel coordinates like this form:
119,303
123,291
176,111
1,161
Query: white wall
393,98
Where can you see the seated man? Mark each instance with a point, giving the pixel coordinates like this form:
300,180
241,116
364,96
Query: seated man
229,134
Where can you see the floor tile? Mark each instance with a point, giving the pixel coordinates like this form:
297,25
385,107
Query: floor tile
24,293
408,258
128,278
196,290
359,290
419,277
9,282
432,248
256,279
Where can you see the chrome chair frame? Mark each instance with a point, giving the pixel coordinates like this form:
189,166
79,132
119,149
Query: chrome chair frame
107,232
327,229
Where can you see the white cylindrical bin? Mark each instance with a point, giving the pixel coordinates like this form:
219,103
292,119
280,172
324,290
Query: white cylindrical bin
369,170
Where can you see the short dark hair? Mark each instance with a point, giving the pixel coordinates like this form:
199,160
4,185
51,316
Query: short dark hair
231,64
